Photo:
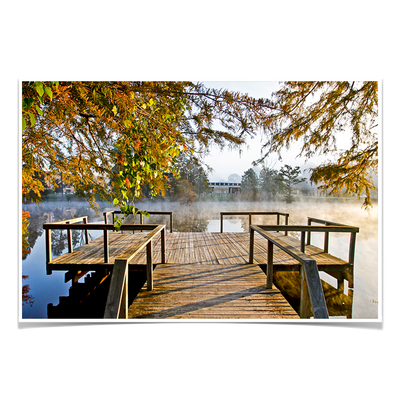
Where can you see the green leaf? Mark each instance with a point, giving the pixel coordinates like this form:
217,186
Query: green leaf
23,124
39,88
33,119
49,92
38,109
27,103
114,110
117,224
115,202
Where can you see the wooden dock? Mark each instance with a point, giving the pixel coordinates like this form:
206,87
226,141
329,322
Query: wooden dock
198,290
203,274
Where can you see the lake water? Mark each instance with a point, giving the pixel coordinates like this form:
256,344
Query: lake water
41,289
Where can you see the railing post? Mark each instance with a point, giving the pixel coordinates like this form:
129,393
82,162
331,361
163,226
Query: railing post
251,249
326,241
48,250
249,220
286,223
315,292
309,232
303,241
163,246
69,235
117,299
85,221
105,243
149,267
305,304
222,223
270,264
123,310
105,217
170,222
352,248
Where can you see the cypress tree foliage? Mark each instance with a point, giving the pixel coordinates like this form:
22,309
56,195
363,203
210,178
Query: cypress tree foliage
314,114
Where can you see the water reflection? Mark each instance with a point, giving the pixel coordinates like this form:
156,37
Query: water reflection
339,300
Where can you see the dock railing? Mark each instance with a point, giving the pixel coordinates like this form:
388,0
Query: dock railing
312,296
170,213
72,224
251,213
117,299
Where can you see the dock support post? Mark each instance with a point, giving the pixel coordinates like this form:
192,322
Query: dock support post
251,250
149,267
270,264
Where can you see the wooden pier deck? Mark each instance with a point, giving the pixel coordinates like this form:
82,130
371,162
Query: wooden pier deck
191,248
204,274
210,291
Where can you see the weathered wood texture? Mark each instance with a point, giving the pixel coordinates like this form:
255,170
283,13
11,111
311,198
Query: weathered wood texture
207,275
190,248
210,291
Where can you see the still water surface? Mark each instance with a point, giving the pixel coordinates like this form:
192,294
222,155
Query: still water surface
42,289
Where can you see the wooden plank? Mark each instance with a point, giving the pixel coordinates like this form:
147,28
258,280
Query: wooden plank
210,291
211,248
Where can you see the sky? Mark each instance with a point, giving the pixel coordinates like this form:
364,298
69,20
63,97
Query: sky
227,162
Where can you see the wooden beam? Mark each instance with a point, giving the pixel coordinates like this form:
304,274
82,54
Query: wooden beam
149,257
69,235
315,291
251,250
117,299
163,246
105,246
270,264
306,228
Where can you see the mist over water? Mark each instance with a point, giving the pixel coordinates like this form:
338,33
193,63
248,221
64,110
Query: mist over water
205,217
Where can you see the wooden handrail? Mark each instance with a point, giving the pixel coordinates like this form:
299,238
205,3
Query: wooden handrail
155,229
312,295
117,299
251,213
67,224
170,213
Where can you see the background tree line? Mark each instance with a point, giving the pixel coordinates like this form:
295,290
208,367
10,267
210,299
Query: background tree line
271,184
